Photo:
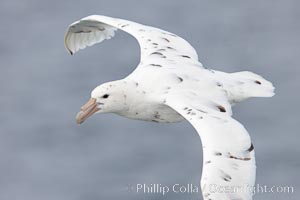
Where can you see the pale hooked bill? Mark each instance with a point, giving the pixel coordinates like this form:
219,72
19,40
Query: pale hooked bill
170,85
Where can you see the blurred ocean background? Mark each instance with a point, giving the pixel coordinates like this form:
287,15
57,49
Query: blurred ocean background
45,155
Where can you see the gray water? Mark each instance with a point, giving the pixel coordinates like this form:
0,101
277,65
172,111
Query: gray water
45,155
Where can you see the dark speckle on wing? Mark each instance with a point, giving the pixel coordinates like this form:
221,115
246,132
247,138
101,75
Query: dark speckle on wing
239,158
179,78
218,153
171,48
166,39
258,82
159,54
123,26
185,56
155,65
225,176
221,108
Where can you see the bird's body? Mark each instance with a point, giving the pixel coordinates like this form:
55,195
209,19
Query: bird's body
141,105
170,85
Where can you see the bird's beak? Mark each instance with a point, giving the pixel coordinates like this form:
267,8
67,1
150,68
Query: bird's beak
87,110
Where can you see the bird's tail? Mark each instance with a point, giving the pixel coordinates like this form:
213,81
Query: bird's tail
248,84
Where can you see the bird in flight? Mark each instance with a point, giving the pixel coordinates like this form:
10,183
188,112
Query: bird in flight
170,85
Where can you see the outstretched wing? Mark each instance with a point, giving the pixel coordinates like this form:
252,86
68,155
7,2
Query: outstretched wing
228,154
154,43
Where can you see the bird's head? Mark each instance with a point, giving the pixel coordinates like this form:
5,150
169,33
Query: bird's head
106,98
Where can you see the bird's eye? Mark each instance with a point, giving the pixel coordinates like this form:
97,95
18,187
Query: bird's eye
105,96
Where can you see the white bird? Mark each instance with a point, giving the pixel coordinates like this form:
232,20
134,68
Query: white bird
170,85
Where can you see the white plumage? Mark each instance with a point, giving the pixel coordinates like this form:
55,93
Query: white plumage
170,85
